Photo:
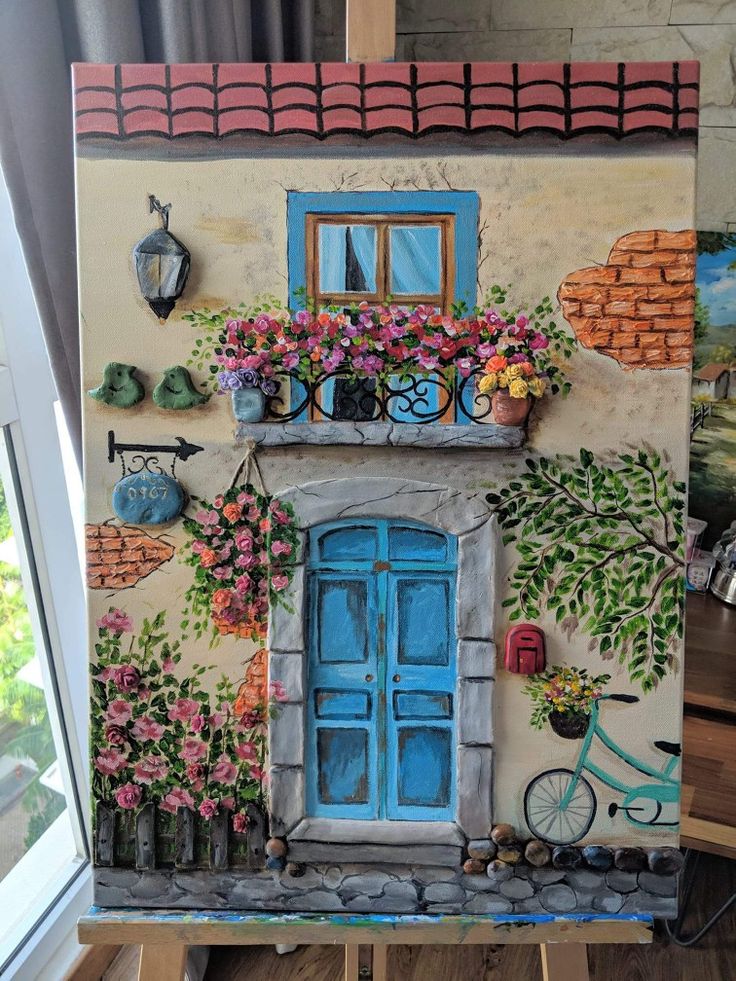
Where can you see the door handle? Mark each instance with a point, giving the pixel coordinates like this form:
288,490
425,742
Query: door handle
397,677
369,677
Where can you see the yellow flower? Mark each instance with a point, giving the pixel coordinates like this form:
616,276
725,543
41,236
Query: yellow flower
488,383
518,388
536,387
514,371
503,380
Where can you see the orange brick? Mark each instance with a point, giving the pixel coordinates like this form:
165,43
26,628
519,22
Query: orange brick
629,355
641,277
601,275
623,308
662,257
591,310
680,274
680,357
679,339
648,309
671,291
636,326
684,308
599,338
590,293
637,241
650,340
652,354
673,323
677,240
570,308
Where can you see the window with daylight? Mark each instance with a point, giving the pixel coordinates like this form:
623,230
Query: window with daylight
404,247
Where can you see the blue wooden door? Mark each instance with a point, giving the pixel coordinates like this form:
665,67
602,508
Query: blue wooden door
381,740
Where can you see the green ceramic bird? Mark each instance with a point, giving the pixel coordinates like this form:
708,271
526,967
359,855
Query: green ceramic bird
119,386
176,390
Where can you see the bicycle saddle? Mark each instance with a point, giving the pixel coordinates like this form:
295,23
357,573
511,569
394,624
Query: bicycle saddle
674,749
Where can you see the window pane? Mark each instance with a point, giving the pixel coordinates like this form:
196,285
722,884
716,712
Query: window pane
36,840
416,259
347,259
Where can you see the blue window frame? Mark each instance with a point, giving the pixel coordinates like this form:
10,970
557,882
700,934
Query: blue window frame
416,253
381,671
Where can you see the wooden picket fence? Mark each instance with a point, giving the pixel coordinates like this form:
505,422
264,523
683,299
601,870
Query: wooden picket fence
150,839
698,414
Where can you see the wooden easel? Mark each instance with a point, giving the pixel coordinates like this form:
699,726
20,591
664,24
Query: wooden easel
166,936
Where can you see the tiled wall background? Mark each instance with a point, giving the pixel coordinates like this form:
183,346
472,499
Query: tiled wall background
585,30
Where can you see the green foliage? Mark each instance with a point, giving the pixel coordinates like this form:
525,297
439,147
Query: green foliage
601,548
711,243
702,317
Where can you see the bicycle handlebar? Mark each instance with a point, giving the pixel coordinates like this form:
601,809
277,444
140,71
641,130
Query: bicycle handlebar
628,699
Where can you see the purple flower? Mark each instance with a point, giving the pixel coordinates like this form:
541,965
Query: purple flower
290,360
249,377
229,381
269,386
538,342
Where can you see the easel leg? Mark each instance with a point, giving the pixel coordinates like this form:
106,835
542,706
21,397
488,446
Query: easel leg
564,962
351,962
379,962
162,962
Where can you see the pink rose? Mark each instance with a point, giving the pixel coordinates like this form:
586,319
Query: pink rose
198,723
151,768
538,342
195,775
168,665
176,798
116,621
208,808
147,729
119,711
216,719
222,572
279,582
193,749
246,561
128,796
276,690
110,761
244,541
106,674
281,548
116,735
240,823
183,709
224,771
246,751
126,677
243,583
255,771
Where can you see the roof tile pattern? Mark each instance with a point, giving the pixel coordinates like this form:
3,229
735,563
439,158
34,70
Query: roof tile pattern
639,307
324,101
120,556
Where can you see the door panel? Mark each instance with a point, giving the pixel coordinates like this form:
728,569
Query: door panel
381,737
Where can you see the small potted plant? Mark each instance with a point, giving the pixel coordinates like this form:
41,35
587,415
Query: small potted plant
512,382
248,388
564,697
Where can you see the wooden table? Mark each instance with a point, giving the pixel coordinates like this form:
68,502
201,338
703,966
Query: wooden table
708,818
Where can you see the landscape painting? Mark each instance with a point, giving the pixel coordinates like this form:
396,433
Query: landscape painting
713,427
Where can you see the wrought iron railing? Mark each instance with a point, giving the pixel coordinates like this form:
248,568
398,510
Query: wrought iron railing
340,395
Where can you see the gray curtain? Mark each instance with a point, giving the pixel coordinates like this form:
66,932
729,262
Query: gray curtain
38,41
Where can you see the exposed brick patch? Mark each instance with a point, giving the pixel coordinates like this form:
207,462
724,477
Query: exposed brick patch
254,690
639,307
118,557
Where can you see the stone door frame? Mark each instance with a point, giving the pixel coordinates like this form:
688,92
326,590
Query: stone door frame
465,516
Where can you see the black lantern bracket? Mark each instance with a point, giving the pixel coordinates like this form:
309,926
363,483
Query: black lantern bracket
161,209
144,456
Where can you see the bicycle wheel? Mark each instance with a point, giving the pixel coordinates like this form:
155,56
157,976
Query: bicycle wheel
543,813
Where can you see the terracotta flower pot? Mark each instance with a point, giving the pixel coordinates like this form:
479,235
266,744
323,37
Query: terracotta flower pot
508,411
569,725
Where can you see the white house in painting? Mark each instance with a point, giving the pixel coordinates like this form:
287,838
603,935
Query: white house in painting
716,381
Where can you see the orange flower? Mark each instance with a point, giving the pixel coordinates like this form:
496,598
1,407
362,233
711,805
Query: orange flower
221,599
207,558
323,319
497,363
527,368
233,512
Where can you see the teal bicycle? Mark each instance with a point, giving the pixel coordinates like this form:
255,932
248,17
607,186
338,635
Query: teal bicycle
560,805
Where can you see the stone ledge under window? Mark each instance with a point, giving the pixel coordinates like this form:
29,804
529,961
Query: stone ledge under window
391,842
474,435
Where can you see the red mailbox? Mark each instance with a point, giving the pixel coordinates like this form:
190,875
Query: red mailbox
524,653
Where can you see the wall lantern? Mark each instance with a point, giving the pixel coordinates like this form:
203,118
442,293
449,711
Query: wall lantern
161,264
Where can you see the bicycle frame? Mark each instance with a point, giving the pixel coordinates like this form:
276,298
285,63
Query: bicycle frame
665,791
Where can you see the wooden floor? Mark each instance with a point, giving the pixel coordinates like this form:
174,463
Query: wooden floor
714,960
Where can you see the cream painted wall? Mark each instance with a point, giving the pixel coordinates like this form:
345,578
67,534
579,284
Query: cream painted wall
545,216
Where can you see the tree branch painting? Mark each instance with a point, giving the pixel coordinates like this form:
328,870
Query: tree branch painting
601,547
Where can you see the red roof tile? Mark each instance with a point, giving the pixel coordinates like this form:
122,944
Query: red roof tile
413,100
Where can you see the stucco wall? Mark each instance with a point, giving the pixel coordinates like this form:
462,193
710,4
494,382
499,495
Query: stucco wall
543,216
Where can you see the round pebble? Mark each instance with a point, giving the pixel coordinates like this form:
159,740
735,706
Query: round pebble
474,866
482,848
537,853
503,834
511,854
295,870
665,861
630,859
499,871
566,857
276,848
275,864
598,857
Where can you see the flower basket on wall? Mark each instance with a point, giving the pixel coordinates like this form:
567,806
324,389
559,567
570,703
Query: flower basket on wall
569,725
564,697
